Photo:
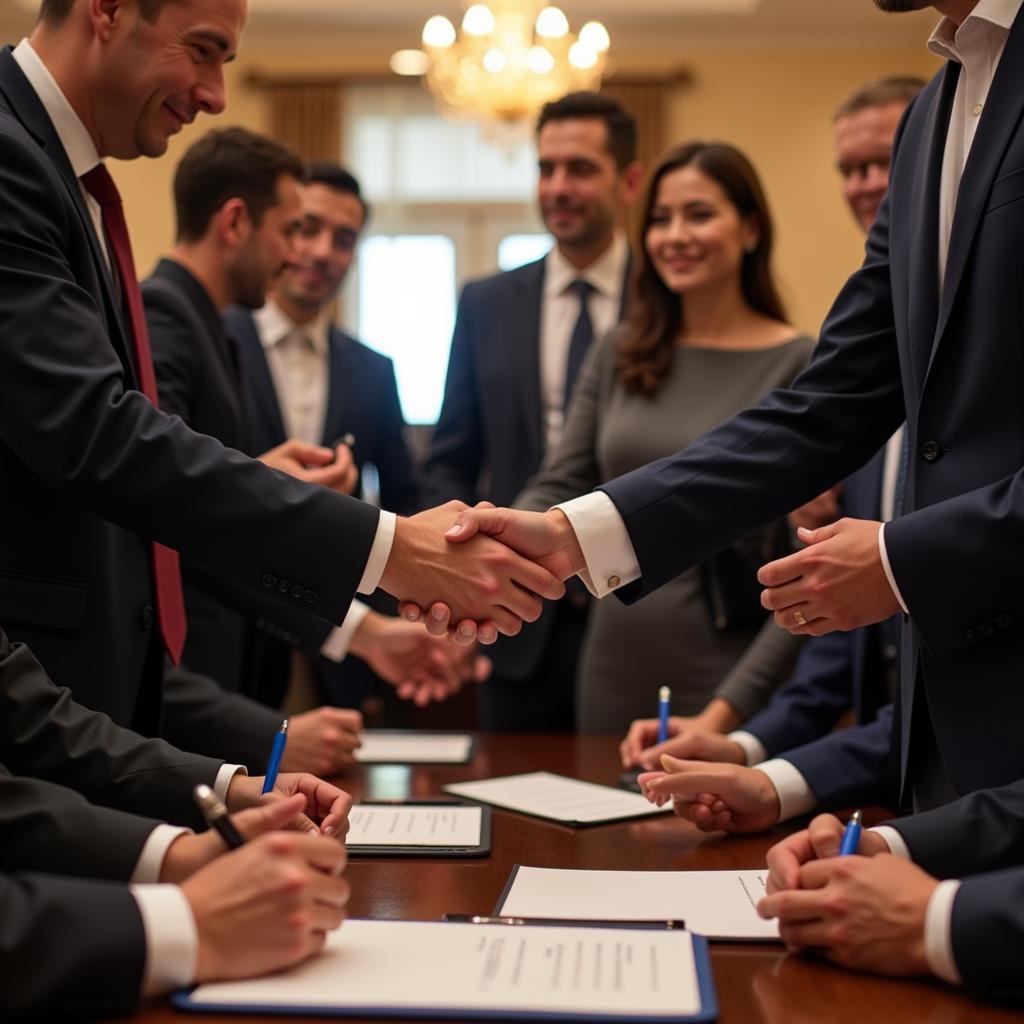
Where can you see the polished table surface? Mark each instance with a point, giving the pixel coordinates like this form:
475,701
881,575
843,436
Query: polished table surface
755,983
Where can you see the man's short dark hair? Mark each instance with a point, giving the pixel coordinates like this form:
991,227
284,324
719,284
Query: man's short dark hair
230,163
53,12
581,105
323,172
885,92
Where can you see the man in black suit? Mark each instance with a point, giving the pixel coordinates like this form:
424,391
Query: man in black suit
888,911
237,205
902,341
86,459
83,806
518,343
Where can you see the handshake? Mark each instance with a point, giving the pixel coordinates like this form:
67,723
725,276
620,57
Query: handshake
480,571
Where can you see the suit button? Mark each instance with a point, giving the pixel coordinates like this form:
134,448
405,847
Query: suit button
968,634
985,629
284,586
269,581
930,451
298,592
147,616
311,597
1003,621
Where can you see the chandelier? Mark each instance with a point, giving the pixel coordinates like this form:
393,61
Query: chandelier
509,59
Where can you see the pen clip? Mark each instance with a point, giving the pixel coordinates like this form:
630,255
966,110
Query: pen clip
648,924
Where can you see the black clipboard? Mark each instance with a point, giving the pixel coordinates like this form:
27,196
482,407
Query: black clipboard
482,850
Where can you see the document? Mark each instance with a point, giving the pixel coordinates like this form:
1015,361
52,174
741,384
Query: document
396,747
414,825
432,969
558,798
716,904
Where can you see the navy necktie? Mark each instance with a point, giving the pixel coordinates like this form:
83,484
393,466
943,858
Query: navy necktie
582,335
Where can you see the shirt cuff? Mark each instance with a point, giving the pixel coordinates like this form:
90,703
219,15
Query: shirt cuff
225,774
380,552
896,843
795,796
752,746
603,538
172,941
888,569
338,641
151,860
938,932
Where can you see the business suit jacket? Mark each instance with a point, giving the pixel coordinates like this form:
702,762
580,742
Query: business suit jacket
57,960
892,349
88,466
489,438
980,836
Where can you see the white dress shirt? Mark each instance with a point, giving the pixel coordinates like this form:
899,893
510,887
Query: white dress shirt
560,309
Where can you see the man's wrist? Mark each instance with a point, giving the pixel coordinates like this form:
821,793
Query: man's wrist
567,540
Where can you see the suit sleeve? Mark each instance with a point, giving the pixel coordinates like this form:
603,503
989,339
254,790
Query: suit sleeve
456,456
46,735
572,467
70,416
399,488
69,948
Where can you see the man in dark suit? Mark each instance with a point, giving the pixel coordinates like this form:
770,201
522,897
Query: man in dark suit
237,207
518,342
892,915
86,459
901,342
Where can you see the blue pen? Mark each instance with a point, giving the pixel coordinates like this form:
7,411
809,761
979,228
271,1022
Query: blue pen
276,753
851,835
664,698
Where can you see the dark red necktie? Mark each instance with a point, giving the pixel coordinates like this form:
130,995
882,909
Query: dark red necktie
170,602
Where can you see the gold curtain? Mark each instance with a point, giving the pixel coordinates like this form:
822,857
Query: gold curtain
306,116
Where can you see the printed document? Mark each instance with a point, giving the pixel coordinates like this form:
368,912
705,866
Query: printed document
413,825
414,748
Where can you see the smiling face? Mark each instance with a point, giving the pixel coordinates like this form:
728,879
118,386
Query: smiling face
863,152
695,237
154,77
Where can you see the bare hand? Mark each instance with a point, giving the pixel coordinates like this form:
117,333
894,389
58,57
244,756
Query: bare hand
422,668
836,582
191,851
331,468
326,805
267,905
322,741
687,740
818,511
715,797
482,580
863,912
820,839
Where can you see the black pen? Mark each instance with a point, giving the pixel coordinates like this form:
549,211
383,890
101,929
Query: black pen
568,922
215,814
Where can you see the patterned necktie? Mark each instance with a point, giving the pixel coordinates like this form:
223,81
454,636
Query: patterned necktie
582,336
170,602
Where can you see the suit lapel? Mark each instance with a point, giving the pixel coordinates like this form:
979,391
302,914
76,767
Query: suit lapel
523,320
26,105
998,123
252,362
924,239
338,374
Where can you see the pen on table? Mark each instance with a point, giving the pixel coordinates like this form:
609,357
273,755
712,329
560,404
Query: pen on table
276,753
215,814
851,835
568,922
664,699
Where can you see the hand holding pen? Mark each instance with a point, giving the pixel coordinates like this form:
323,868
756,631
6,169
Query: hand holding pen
326,809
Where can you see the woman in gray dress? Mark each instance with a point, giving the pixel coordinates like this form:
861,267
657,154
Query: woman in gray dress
706,337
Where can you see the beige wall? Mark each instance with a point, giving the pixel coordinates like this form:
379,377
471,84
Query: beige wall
776,106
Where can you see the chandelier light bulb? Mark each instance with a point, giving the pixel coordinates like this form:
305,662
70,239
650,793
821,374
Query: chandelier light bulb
552,23
438,33
410,62
478,20
495,61
595,37
540,61
582,56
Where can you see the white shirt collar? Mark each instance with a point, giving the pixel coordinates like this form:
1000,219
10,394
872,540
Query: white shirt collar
605,273
948,40
73,135
273,325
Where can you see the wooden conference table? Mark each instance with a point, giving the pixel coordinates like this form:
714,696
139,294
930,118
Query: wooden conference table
756,984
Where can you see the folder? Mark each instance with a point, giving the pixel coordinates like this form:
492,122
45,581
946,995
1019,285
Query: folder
425,969
419,828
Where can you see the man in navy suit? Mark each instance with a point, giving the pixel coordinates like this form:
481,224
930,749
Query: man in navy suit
888,911
918,334
511,370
